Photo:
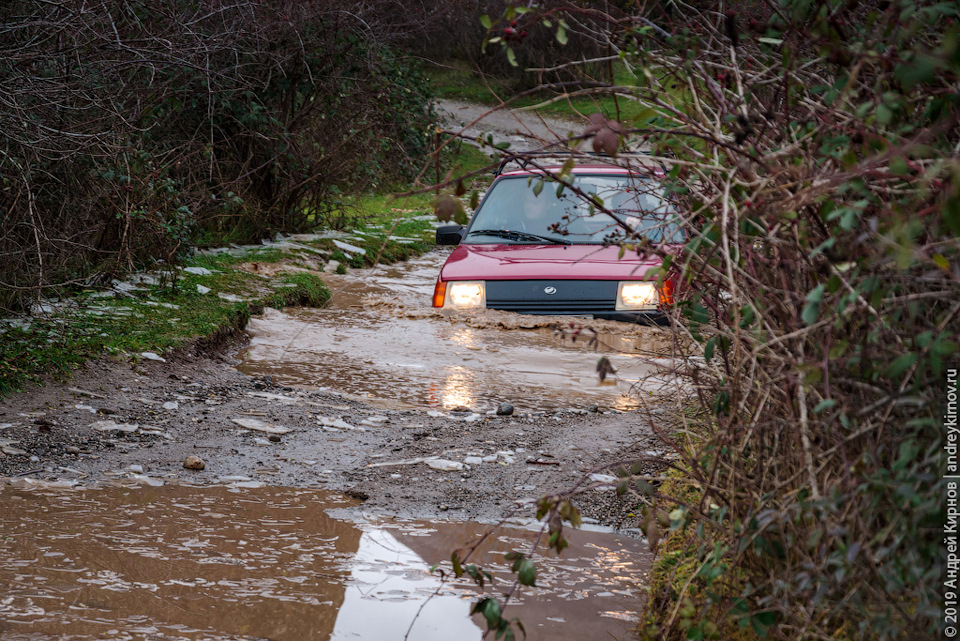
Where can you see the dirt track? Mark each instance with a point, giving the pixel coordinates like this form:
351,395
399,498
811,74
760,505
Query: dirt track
188,406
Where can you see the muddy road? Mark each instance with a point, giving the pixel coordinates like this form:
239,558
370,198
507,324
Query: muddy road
365,397
325,494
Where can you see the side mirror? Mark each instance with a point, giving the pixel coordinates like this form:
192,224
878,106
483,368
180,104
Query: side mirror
449,234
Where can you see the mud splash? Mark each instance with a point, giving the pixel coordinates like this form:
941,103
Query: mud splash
379,338
179,562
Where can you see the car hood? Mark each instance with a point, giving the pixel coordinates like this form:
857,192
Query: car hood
522,262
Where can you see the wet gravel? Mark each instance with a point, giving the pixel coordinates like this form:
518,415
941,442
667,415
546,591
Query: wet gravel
462,465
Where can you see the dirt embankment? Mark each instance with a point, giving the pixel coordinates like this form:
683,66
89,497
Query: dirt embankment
138,421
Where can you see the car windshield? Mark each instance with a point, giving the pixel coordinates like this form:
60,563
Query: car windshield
513,212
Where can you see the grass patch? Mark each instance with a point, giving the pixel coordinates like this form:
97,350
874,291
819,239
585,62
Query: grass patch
385,208
455,84
154,318
687,590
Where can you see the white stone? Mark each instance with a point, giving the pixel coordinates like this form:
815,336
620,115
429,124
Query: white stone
347,247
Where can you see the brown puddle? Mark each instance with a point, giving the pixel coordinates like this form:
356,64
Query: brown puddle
180,562
378,337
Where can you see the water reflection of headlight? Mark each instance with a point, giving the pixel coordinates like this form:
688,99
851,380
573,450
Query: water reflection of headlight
465,338
458,388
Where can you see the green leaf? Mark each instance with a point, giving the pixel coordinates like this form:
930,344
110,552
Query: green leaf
485,21
761,622
511,56
919,70
824,405
491,612
643,117
884,114
822,247
527,573
898,166
811,311
901,364
457,569
708,349
561,33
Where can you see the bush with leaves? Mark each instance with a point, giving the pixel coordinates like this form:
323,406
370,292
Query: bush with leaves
813,147
129,130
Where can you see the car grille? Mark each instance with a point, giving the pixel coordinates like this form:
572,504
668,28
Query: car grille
571,296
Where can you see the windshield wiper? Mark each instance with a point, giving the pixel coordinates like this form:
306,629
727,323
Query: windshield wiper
511,234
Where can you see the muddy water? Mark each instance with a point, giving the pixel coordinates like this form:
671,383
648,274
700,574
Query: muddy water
380,338
178,562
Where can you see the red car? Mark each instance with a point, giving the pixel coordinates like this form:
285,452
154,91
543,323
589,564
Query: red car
539,245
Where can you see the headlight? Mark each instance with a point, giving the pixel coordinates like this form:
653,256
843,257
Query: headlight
466,295
637,296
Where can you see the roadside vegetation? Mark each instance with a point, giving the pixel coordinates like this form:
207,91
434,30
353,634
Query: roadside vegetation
813,148
255,121
133,132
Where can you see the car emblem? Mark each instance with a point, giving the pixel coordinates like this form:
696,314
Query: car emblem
551,290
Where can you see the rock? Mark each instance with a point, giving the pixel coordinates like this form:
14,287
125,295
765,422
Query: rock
198,271
593,408
602,478
505,409
473,460
274,438
259,426
444,465
347,247
150,356
461,409
360,495
194,463
337,423
147,479
113,426
171,405
72,449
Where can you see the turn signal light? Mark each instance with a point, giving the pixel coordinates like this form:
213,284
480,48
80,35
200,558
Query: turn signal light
439,293
666,293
